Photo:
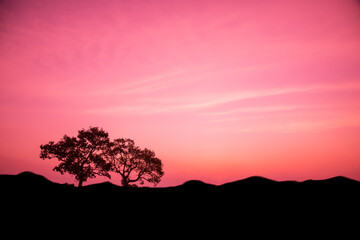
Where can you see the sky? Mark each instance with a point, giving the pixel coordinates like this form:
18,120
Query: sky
220,90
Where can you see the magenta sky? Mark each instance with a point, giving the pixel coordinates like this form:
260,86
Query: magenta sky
220,90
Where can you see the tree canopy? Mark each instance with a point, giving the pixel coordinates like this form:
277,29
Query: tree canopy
82,156
134,164
91,154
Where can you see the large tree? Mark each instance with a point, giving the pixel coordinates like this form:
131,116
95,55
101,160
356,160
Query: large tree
82,156
134,164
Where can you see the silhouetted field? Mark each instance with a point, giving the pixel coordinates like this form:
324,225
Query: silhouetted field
255,202
251,191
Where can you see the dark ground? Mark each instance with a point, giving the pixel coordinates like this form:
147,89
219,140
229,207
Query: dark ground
254,207
254,202
249,191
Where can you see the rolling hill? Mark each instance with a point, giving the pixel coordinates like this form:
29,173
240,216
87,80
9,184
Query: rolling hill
254,199
248,188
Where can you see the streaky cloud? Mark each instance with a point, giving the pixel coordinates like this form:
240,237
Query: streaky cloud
186,104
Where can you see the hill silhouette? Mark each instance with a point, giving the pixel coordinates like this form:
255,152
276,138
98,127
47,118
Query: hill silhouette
36,181
247,196
28,182
253,200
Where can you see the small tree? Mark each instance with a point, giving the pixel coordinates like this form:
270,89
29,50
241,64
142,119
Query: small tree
134,164
82,156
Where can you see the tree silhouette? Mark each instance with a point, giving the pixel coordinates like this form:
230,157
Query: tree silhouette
82,156
134,164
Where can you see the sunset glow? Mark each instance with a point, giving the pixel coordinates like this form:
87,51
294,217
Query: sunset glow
220,89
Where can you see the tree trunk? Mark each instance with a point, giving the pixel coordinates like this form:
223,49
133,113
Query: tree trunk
124,181
80,182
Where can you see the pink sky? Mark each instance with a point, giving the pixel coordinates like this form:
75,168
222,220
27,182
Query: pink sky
220,90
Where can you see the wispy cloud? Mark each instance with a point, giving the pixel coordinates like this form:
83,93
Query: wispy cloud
200,102
150,84
255,124
305,125
275,108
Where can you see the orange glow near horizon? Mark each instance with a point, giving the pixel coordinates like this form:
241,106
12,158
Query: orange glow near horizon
220,90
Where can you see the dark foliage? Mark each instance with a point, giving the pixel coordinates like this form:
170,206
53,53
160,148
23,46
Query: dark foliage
92,153
82,156
134,164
